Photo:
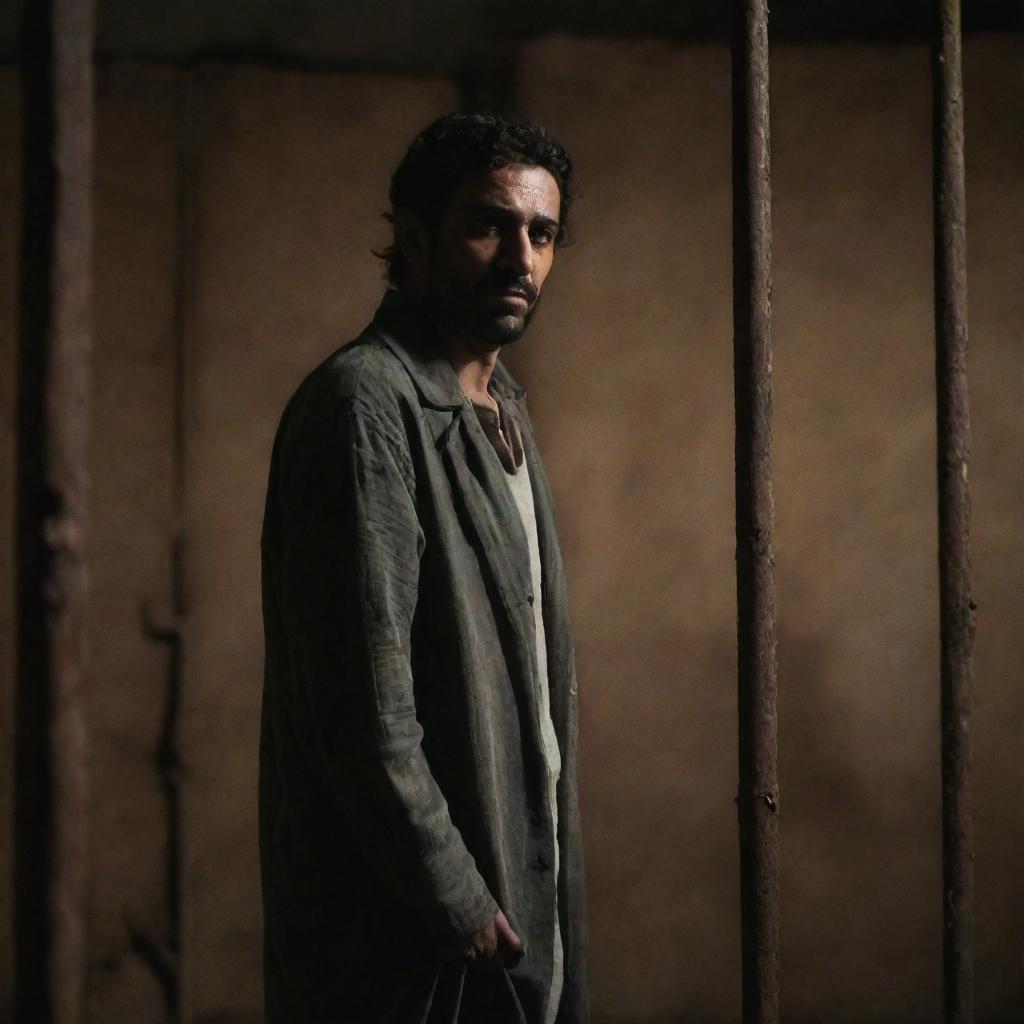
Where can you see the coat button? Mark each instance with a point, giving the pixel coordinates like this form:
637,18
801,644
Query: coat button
529,598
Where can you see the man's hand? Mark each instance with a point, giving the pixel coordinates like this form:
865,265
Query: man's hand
495,941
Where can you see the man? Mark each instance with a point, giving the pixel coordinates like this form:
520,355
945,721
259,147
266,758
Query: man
419,827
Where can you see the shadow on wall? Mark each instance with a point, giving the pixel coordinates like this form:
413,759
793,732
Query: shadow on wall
817,754
662,833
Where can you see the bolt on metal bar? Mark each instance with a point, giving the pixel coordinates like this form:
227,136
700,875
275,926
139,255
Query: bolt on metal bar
53,485
956,608
758,798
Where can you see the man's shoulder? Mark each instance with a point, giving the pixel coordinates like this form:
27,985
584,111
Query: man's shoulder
394,365
364,377
364,370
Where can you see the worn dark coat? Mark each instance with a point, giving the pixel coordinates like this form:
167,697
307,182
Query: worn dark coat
402,787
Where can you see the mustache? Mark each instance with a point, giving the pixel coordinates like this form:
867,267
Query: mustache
501,282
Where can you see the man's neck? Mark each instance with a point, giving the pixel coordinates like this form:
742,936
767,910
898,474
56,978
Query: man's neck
473,366
472,362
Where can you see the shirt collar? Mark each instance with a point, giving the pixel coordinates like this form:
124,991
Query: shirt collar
405,331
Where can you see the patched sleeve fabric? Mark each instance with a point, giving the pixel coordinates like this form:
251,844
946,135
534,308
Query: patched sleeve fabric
350,548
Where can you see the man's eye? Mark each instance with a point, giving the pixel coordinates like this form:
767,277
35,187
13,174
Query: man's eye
542,238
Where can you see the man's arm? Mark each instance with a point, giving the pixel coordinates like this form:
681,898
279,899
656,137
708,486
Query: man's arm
350,546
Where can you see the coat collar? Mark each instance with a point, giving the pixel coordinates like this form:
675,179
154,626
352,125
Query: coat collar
405,330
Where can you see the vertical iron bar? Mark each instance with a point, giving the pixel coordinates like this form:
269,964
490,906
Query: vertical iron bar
53,418
758,798
956,609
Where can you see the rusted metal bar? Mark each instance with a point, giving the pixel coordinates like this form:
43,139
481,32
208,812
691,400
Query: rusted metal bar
956,608
758,798
53,419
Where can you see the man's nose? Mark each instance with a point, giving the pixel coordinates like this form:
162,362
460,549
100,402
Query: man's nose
517,252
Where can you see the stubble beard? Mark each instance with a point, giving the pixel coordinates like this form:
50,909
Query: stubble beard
477,324
464,310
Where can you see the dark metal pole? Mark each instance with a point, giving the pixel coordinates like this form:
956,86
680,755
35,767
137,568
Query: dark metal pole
758,798
954,447
51,823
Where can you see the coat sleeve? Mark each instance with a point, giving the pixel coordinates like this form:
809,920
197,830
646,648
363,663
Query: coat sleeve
350,542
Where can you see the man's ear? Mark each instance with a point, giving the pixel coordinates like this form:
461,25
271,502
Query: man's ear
412,239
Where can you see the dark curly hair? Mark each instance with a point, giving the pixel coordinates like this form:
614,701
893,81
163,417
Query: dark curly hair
457,145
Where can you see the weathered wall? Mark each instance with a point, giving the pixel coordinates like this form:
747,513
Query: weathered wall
132,533
629,373
630,370
130,529
630,381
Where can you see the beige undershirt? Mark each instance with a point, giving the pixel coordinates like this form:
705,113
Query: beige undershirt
504,437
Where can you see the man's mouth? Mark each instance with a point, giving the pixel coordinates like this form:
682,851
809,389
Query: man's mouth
519,292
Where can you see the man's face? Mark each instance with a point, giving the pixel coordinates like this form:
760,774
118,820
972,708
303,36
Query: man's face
487,262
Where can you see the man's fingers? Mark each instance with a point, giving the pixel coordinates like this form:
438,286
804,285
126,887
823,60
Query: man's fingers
495,941
484,943
510,945
506,935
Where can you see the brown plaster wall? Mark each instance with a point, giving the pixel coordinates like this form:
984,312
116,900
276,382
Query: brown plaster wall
629,380
132,529
995,157
629,372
